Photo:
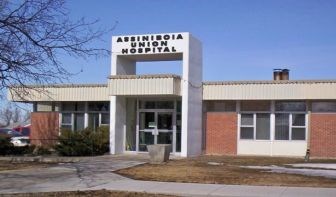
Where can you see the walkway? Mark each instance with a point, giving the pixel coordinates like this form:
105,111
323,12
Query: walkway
96,173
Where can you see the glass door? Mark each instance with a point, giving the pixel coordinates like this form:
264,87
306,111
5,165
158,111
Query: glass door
164,128
155,128
147,129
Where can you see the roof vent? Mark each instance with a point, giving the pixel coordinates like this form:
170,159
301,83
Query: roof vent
280,74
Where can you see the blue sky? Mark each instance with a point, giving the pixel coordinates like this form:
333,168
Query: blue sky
242,39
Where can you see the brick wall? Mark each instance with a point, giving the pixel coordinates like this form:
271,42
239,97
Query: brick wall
323,135
44,128
221,133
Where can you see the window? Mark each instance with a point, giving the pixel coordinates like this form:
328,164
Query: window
156,105
68,106
290,120
105,118
281,126
66,121
99,106
324,106
298,127
255,105
292,106
290,126
255,126
263,125
220,106
79,121
93,120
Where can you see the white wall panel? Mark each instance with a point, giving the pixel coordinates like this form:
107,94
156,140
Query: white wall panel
290,90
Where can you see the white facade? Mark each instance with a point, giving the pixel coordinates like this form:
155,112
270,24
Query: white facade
127,50
126,93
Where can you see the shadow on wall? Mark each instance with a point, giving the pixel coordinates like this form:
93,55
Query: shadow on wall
44,128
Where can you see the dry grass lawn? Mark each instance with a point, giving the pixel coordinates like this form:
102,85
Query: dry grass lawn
98,193
197,170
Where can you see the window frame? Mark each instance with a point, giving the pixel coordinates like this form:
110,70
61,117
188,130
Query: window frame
290,124
254,126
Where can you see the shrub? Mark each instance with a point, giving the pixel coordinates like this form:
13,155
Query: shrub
83,143
5,145
40,150
7,148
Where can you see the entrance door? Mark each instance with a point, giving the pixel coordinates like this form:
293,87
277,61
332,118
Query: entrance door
164,127
155,128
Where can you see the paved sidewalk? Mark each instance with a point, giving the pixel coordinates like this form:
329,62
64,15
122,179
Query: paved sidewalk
195,189
96,173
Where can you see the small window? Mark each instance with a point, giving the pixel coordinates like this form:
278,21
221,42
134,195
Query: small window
255,105
290,106
105,118
68,106
247,120
80,106
324,106
246,132
66,118
99,106
298,119
298,133
156,104
66,121
221,106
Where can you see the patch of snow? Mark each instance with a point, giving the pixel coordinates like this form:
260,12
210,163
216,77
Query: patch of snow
307,172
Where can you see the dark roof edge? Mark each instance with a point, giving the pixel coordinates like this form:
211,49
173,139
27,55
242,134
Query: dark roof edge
59,86
144,76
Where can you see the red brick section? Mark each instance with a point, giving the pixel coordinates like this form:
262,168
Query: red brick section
44,128
221,133
323,135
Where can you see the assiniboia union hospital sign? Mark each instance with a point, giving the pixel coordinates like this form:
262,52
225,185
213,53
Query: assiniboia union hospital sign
149,44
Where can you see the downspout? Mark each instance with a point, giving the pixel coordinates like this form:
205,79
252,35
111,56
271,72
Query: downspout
308,122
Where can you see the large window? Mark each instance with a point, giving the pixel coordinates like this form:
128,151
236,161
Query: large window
290,121
78,115
255,126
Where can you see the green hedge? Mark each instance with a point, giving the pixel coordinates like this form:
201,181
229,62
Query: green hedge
83,143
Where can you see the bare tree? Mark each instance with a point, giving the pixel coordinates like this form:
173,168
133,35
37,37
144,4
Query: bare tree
33,36
26,115
6,115
17,115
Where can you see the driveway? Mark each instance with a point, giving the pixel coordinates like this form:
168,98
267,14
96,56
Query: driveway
83,175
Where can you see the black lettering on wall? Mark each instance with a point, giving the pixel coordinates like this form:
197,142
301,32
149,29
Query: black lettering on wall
179,37
124,51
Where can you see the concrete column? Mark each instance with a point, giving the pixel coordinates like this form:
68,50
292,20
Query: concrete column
191,141
120,66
